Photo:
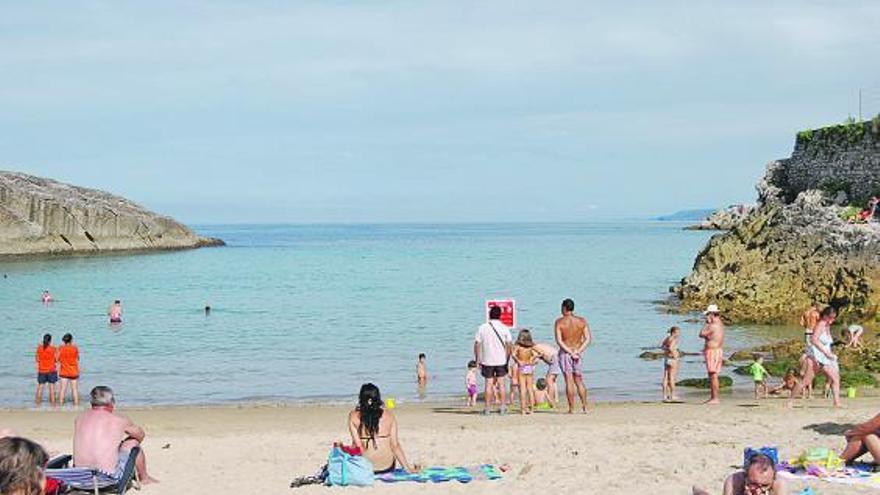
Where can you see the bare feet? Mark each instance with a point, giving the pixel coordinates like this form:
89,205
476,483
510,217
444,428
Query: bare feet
149,480
712,402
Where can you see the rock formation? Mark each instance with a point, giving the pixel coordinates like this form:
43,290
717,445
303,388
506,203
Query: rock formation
40,215
795,247
724,219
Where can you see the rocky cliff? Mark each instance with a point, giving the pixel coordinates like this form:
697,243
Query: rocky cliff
795,247
724,219
40,215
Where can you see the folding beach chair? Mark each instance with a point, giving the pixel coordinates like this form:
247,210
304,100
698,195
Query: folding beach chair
81,479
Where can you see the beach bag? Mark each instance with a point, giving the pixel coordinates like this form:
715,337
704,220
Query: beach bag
344,469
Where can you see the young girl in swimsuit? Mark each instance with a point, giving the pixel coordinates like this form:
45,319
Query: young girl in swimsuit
670,363
525,355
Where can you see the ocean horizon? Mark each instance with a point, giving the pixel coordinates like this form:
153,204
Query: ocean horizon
309,312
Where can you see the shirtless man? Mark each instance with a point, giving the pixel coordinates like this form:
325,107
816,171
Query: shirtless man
573,336
809,320
713,352
103,439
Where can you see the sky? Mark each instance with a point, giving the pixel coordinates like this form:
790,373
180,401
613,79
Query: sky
427,111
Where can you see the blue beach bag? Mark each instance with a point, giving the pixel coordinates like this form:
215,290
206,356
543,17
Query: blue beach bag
348,470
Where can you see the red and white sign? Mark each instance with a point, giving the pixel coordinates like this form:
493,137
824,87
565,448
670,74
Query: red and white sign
508,311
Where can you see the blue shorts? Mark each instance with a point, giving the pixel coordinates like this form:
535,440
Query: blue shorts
43,378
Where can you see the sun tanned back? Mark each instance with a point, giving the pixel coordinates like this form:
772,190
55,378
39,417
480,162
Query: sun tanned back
572,329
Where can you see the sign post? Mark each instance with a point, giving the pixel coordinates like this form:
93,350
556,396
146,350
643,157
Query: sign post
508,311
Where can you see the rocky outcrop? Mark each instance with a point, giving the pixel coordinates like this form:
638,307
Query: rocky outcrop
724,219
795,248
43,216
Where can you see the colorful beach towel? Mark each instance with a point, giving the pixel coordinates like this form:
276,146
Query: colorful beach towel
443,474
859,474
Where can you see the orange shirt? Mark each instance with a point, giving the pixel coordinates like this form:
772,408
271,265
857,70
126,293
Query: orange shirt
68,357
45,359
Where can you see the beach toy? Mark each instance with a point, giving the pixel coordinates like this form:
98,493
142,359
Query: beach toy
389,403
851,392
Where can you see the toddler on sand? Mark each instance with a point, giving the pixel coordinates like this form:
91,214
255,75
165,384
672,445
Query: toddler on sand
758,372
470,381
542,398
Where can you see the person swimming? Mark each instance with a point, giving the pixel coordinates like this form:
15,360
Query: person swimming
115,312
46,297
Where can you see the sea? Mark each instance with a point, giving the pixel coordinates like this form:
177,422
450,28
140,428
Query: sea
308,313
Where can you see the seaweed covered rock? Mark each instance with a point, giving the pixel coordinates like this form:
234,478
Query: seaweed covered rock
723,381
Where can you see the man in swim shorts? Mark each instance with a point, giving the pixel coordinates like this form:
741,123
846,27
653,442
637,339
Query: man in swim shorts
573,336
492,348
103,439
713,350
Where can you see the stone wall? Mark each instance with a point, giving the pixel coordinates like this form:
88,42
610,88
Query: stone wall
833,159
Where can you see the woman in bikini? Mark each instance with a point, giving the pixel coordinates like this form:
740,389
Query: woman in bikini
374,431
670,363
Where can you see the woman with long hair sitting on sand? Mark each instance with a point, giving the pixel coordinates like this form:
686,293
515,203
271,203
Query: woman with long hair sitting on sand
374,431
22,465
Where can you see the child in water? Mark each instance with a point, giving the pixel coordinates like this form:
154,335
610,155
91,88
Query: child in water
470,381
525,355
422,370
759,372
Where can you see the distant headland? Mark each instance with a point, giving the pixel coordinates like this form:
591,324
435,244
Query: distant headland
43,216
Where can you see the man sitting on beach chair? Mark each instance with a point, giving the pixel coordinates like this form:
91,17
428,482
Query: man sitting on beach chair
104,440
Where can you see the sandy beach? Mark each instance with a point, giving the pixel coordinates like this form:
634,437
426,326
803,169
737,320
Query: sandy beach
617,448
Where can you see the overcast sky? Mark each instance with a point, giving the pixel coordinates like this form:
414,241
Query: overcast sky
403,111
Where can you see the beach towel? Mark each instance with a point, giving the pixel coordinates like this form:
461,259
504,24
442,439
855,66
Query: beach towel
444,474
858,474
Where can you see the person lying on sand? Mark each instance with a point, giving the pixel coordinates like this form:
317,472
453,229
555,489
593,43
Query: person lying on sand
789,382
862,439
374,431
758,477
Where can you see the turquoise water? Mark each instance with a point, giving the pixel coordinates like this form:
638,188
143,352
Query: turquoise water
304,313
